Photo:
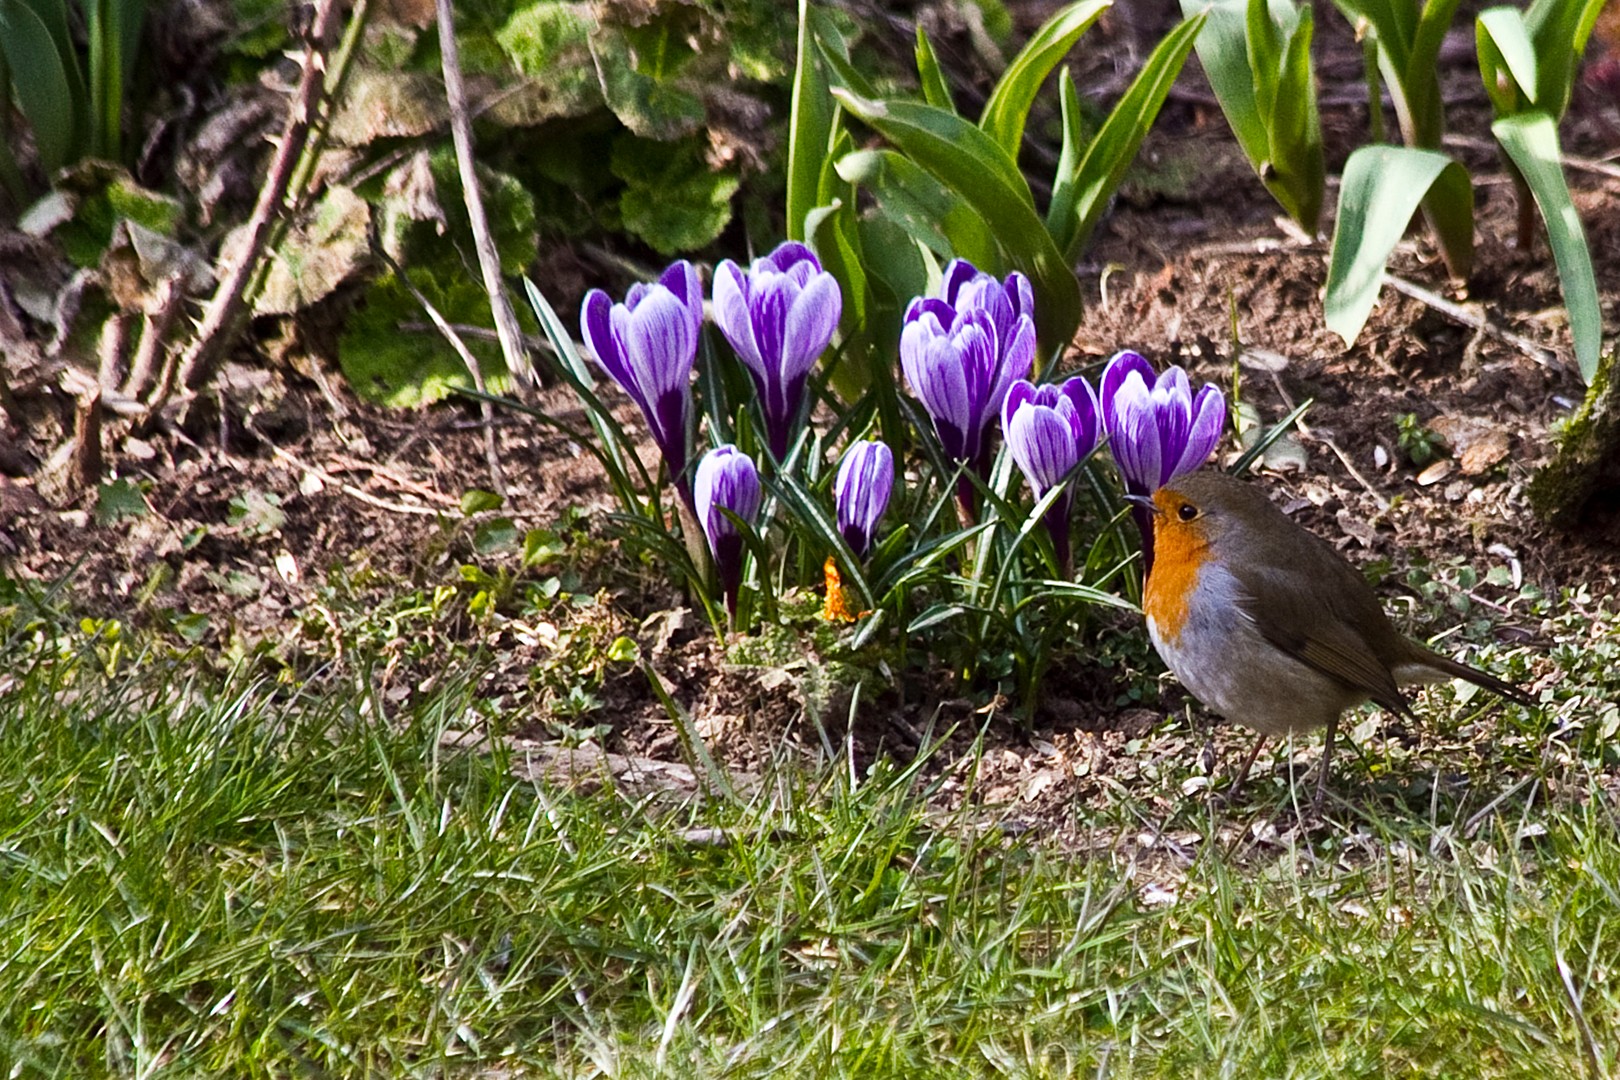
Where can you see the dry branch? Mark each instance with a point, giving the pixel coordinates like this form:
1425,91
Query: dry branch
224,312
489,260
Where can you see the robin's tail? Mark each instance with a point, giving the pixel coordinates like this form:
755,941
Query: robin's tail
1445,666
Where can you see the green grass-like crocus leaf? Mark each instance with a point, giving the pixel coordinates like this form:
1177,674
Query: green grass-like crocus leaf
1382,188
810,128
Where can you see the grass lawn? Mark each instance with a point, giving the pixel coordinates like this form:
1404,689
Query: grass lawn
217,874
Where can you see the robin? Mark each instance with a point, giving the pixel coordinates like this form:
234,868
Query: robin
1268,625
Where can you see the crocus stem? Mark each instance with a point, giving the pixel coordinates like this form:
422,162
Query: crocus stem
1144,525
1056,521
965,511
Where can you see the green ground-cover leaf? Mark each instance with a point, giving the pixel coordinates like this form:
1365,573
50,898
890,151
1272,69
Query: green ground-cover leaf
404,369
673,200
1382,188
317,256
1530,140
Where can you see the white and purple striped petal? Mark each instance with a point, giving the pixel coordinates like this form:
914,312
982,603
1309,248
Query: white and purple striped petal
862,490
727,480
779,317
1157,428
647,345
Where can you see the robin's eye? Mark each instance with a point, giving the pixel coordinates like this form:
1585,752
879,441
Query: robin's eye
1187,512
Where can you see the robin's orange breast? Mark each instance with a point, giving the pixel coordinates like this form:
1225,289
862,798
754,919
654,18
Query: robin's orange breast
1167,600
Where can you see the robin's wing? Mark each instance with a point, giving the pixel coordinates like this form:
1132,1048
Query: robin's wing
1311,604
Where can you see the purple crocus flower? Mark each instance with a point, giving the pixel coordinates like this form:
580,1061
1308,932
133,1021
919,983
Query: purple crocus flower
962,351
727,479
861,491
779,317
1050,429
648,345
1157,429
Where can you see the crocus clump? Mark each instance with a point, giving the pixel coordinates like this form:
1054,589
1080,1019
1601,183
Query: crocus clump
727,480
648,344
1050,429
779,316
1157,429
962,351
862,490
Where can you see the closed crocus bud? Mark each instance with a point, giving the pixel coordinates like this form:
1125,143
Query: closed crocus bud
779,316
862,490
648,344
727,479
961,352
1158,429
1049,430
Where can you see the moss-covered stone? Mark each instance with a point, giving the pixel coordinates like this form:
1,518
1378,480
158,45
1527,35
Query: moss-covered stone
1588,459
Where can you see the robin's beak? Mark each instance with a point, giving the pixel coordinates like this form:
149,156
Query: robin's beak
1145,502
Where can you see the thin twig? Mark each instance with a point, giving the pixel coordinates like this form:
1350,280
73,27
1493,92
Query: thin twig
480,333
155,327
1467,317
225,310
1580,164
489,259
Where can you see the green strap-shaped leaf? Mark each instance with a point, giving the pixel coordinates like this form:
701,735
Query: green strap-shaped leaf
1004,114
41,83
926,209
1382,188
1298,174
1531,142
1099,172
1265,46
834,50
1224,53
1504,28
1422,75
1507,59
1393,24
810,127
54,14
1060,214
968,161
1559,29
936,91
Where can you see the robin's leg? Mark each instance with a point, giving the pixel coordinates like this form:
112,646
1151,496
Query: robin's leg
1243,773
1327,760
